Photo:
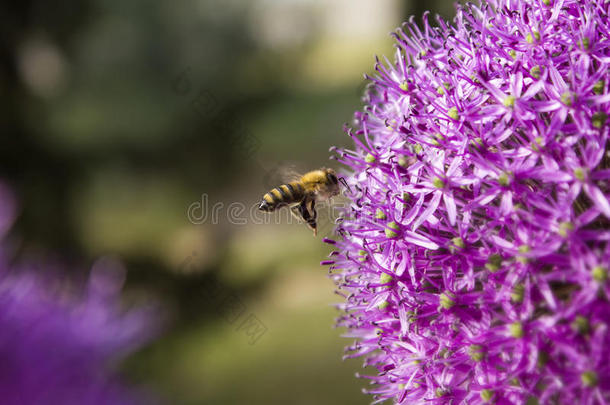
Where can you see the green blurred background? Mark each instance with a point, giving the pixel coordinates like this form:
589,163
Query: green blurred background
117,116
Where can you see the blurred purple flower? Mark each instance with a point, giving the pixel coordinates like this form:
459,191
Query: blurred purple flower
59,348
474,259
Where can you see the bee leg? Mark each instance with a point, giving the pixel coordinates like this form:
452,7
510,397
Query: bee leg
308,213
313,222
296,212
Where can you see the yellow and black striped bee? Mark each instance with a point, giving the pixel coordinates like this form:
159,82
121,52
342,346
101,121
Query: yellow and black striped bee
301,195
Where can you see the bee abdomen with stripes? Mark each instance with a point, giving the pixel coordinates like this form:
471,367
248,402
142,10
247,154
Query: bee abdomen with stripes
285,194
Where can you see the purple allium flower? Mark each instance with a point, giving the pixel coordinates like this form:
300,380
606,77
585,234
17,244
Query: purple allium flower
58,348
474,259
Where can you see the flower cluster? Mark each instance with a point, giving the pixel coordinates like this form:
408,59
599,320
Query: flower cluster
474,258
58,348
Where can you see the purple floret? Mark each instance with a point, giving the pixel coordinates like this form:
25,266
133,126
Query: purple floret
63,350
58,345
474,257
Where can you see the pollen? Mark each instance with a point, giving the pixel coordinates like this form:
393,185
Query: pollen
517,294
504,179
581,325
438,182
567,98
589,379
516,330
599,119
486,395
523,250
453,113
493,263
391,230
533,36
404,161
385,278
447,300
600,274
565,228
509,101
543,359
580,173
363,255
458,242
476,352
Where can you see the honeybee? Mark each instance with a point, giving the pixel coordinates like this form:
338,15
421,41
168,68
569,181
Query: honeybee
301,195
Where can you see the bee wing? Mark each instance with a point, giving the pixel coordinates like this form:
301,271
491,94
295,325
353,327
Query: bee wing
281,174
291,174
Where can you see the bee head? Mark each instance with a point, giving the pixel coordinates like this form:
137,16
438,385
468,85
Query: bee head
333,180
331,176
